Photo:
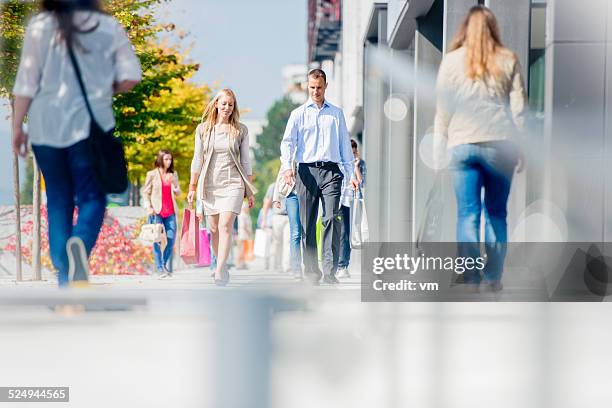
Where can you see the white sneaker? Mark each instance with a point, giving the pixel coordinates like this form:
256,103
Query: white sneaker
343,272
78,264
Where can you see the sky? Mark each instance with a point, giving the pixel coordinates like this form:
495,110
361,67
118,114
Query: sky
241,44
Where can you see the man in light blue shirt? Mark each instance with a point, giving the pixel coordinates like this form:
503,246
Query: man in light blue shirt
317,140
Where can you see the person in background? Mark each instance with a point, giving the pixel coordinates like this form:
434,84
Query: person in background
47,91
161,186
345,207
480,111
221,158
291,206
274,221
245,233
360,165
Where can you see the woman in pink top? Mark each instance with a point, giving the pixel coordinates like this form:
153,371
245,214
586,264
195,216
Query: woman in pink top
158,195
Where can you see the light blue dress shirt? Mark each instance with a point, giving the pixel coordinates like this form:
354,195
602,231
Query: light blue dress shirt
314,134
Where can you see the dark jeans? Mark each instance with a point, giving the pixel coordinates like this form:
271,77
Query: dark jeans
164,260
479,166
324,184
345,237
69,182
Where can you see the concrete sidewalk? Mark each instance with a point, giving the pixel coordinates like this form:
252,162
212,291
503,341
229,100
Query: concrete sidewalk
256,276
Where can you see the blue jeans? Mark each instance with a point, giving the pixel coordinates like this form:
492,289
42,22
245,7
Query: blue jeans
295,232
476,166
70,182
164,260
345,237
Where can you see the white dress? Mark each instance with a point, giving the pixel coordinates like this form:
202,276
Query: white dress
223,186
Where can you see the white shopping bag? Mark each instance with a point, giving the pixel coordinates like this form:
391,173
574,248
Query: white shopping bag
261,247
360,232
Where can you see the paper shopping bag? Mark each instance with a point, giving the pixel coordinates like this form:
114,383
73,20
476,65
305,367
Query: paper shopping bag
190,237
204,258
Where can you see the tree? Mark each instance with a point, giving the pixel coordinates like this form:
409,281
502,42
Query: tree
175,113
162,111
267,154
12,17
272,134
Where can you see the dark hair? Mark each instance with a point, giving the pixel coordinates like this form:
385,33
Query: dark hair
317,73
64,12
159,161
353,143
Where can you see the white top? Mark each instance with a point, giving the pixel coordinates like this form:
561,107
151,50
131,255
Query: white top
58,116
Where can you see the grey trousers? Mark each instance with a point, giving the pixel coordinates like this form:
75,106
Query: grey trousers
313,184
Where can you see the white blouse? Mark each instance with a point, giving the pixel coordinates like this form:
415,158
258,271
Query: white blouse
58,116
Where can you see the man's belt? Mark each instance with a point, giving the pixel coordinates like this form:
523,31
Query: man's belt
318,164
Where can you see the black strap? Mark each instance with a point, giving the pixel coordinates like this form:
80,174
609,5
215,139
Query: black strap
77,71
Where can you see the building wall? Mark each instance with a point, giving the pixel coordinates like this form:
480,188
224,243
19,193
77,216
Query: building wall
399,115
608,129
394,8
355,15
374,148
402,173
428,55
295,82
577,122
577,115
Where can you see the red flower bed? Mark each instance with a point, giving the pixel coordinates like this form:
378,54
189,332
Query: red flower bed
116,252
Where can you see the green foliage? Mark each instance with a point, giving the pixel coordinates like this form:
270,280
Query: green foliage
267,155
163,110
13,15
265,174
272,133
160,112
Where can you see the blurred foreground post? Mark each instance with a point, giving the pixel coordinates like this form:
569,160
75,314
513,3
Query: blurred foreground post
36,230
241,352
18,276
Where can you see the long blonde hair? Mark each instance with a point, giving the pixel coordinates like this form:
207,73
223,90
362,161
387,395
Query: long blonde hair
479,34
210,115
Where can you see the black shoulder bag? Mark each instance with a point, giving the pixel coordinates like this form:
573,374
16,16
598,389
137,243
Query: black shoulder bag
105,150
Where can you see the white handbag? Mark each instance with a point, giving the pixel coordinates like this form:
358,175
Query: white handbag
360,232
282,186
153,233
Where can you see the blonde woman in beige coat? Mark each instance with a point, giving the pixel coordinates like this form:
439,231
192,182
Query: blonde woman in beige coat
480,107
221,159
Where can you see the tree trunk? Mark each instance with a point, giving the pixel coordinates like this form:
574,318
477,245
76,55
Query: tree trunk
131,195
18,275
36,231
137,203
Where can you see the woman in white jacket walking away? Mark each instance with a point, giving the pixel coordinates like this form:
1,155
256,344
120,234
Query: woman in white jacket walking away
480,107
